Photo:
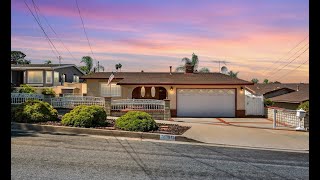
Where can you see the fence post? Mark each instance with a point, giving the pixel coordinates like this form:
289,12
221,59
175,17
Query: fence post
274,118
107,105
167,114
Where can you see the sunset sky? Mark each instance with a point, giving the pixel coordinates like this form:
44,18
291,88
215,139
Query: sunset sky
150,35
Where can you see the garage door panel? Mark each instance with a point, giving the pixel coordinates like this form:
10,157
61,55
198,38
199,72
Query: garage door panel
206,102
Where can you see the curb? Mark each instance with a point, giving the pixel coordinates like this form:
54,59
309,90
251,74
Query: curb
99,132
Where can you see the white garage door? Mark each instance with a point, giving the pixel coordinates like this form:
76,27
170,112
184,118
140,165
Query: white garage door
206,102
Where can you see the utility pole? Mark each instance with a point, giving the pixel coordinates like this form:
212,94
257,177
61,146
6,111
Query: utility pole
98,66
59,60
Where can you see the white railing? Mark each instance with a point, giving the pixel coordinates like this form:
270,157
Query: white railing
73,101
18,98
137,104
71,94
284,117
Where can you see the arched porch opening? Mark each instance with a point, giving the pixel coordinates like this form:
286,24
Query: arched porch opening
160,93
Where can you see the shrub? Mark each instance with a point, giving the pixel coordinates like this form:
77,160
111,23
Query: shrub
136,121
85,116
268,102
34,111
48,91
304,106
13,88
27,89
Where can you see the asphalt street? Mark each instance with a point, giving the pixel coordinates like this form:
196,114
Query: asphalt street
64,156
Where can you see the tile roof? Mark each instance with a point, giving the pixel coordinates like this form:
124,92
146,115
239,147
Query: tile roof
293,97
165,78
39,65
261,89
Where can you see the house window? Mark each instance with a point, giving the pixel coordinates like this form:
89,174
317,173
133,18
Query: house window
75,78
56,77
49,77
112,90
35,76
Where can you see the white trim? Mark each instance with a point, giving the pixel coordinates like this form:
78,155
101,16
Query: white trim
50,72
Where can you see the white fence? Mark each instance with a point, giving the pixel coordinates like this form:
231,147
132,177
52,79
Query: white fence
254,105
71,94
287,117
18,98
73,101
138,104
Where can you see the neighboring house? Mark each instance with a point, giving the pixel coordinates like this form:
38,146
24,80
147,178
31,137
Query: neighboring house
46,75
190,94
287,95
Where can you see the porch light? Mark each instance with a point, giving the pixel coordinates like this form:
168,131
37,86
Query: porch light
153,91
171,88
241,89
143,91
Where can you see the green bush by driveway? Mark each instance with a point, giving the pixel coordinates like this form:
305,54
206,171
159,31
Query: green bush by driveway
85,116
136,121
34,111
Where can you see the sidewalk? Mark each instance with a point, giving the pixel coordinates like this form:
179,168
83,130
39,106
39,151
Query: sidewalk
215,131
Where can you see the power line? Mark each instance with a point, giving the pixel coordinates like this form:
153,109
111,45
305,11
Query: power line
42,29
84,29
274,69
54,32
289,62
294,69
286,54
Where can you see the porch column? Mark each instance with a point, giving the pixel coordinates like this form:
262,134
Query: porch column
167,114
107,105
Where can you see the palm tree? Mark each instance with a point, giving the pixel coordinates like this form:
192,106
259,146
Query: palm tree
266,81
255,80
87,60
204,70
120,66
194,61
233,74
117,67
48,62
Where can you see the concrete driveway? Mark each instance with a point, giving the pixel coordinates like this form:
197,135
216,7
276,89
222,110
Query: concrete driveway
244,132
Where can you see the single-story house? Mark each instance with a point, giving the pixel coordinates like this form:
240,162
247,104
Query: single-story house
47,75
191,94
284,95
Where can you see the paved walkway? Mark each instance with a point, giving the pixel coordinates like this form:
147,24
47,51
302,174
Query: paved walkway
244,132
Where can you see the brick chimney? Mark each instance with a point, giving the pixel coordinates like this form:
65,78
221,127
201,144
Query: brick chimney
189,68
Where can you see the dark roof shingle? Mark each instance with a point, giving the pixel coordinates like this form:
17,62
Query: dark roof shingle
164,78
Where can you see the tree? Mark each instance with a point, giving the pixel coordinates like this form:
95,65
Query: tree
88,61
17,57
47,62
233,74
194,61
265,81
304,106
255,80
118,66
204,70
